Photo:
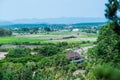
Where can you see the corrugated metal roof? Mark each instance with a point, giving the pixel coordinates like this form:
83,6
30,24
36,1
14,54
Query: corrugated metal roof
73,55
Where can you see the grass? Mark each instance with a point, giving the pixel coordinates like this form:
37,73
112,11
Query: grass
89,36
62,33
14,39
88,44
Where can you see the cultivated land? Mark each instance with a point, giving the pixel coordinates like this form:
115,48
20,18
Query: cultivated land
42,38
46,51
49,37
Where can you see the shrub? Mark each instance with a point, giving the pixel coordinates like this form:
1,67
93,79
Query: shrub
12,71
104,72
108,44
5,32
3,50
69,37
62,44
85,42
18,52
48,50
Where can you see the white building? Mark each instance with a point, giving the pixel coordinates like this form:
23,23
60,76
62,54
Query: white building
75,30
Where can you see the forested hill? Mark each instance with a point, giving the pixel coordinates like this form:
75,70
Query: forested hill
51,25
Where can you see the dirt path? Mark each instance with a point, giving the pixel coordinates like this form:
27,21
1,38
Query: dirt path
79,71
80,51
83,49
2,55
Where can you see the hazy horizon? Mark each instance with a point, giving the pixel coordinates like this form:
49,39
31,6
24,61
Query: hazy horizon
42,9
64,20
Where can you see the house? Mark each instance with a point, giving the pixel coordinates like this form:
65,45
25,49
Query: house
74,57
75,30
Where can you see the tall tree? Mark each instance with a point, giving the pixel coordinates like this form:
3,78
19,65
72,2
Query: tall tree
112,8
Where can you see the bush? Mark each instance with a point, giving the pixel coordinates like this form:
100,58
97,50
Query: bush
108,44
5,32
48,50
85,42
3,50
69,37
18,52
24,59
107,50
12,71
104,72
62,44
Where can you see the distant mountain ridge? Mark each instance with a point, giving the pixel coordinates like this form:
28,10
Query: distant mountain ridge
64,20
5,23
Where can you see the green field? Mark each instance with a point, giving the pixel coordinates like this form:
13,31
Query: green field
14,39
51,37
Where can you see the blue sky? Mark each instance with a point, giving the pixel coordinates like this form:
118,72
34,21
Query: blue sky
19,9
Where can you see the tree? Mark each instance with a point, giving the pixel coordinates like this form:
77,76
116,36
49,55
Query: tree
12,71
112,10
47,29
108,46
108,42
107,49
48,50
5,32
28,71
104,72
18,52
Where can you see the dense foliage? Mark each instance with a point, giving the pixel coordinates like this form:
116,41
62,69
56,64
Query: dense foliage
50,63
48,50
5,32
18,52
104,72
106,54
112,10
104,58
108,44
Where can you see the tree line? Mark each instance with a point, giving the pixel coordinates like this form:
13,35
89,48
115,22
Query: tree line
5,32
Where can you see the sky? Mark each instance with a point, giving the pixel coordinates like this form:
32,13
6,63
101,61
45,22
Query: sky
40,9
